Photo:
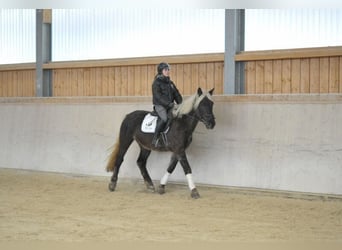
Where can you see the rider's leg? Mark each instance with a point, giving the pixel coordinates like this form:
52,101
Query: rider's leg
162,119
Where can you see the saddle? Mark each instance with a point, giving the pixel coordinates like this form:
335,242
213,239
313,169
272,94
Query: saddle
149,123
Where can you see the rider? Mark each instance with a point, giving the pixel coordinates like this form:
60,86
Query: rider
164,93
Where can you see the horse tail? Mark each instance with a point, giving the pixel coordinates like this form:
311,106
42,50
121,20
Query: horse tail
113,156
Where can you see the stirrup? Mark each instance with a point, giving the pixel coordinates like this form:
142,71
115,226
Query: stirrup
165,140
155,141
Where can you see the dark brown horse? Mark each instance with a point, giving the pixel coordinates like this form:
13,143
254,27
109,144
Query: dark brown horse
198,107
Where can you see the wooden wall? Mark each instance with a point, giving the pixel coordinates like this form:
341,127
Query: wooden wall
136,79
17,80
115,77
314,70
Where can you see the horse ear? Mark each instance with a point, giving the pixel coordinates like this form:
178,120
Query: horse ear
211,91
199,91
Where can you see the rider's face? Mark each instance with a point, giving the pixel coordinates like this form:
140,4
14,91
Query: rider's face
166,72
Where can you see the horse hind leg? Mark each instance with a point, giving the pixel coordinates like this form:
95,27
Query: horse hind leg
142,159
123,147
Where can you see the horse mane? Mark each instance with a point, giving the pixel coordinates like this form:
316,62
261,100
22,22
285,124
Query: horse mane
189,104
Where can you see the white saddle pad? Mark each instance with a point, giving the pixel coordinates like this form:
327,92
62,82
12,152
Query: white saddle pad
149,123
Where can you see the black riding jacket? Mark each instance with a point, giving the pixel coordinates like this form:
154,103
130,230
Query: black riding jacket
164,91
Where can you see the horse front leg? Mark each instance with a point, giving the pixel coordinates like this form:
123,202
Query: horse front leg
170,169
187,171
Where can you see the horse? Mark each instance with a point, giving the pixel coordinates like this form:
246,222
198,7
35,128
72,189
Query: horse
196,108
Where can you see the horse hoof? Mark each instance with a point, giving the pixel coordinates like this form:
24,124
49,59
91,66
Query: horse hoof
194,194
150,187
112,186
161,189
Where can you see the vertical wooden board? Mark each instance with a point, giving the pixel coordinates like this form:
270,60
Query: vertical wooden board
55,83
194,78
286,77
5,85
304,76
33,82
26,88
314,75
22,78
86,82
324,74
210,82
259,77
250,77
218,78
29,82
277,70
15,83
202,76
80,82
246,76
334,75
73,82
340,80
187,76
92,82
10,83
268,87
174,74
61,77
151,73
20,82
137,80
179,81
105,81
111,81
1,82
295,76
70,82
98,80
62,74
144,83
117,81
124,81
130,81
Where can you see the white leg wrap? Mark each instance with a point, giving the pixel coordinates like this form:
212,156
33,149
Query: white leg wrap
190,181
164,179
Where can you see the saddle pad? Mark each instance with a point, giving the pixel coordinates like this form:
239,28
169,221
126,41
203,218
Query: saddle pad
149,123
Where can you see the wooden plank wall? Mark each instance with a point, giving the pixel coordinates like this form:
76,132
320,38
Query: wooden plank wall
293,71
18,83
116,77
134,76
135,80
312,70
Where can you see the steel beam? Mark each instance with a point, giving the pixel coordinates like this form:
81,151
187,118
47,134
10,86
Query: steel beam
234,43
43,53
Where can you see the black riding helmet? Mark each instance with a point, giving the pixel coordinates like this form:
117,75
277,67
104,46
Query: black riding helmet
161,66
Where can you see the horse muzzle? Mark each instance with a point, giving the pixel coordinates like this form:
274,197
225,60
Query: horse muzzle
209,124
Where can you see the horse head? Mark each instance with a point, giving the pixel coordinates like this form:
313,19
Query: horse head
204,108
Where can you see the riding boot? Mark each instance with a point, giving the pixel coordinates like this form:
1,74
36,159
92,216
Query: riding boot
159,127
